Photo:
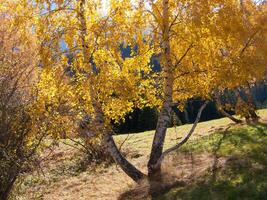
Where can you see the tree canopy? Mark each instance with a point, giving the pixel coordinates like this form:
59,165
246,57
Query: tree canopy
204,47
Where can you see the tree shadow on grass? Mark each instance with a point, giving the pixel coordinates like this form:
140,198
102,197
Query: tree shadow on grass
243,175
238,169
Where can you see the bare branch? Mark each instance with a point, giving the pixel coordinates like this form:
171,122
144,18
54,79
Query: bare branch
248,43
174,21
127,138
185,53
188,72
175,147
79,143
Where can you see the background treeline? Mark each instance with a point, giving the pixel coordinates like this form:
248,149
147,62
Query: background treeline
146,119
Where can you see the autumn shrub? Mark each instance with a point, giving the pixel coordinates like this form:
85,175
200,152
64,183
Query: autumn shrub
19,135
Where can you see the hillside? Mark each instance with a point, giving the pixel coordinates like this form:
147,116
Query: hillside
219,162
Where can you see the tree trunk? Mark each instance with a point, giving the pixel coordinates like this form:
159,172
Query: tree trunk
111,146
99,120
226,114
5,192
253,115
164,115
126,166
158,141
223,112
186,138
250,115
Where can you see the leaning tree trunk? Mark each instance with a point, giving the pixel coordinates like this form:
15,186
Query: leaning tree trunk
226,114
125,165
253,115
111,147
99,120
164,115
250,115
222,111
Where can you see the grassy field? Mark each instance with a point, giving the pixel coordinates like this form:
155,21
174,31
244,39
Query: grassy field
238,170
141,142
221,161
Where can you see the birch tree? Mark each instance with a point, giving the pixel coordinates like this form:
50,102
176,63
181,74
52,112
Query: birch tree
199,47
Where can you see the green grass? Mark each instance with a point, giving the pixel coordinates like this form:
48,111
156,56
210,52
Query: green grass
142,142
243,178
244,174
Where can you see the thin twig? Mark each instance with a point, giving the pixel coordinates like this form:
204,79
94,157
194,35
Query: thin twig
127,138
79,143
248,43
185,53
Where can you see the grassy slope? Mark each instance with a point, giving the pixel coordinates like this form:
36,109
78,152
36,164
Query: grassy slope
65,178
142,141
243,174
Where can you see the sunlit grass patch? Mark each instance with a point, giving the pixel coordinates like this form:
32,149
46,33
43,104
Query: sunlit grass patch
244,172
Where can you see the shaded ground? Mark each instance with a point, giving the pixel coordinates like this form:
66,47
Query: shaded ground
216,164
241,175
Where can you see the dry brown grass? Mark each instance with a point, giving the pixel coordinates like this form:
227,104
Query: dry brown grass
63,181
177,170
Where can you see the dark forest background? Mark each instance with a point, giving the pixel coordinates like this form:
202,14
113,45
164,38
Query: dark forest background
145,119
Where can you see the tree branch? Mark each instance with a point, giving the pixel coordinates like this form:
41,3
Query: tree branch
248,43
174,21
188,73
175,147
182,57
